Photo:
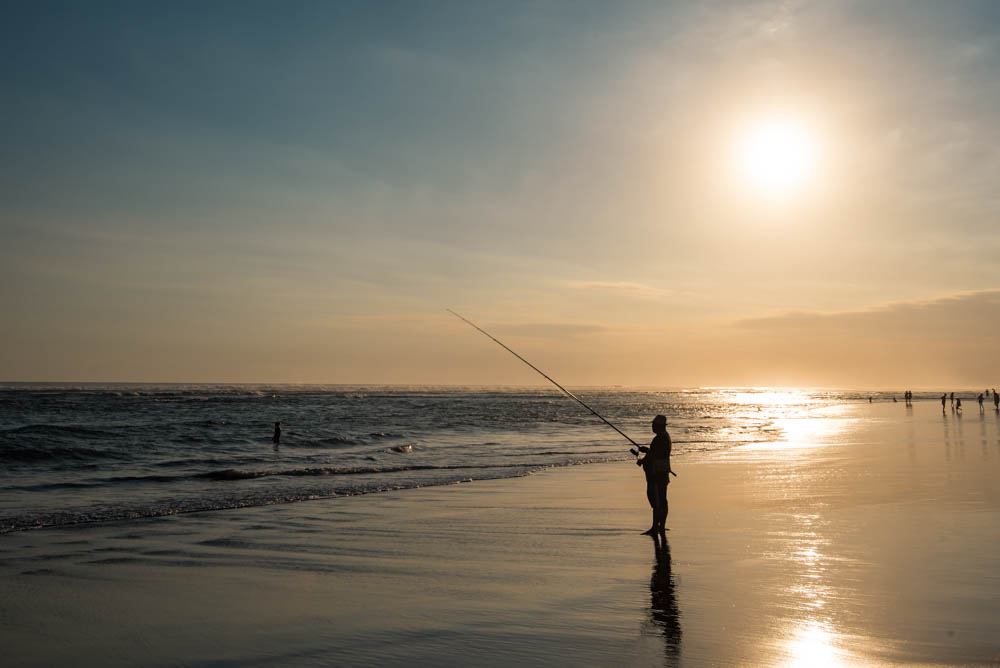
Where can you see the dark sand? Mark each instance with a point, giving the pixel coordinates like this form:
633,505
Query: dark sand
870,535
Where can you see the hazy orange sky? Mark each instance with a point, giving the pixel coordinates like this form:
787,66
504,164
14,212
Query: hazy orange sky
254,192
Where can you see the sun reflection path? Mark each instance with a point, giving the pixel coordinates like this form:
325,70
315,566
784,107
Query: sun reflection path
798,418
793,473
812,640
769,397
812,645
808,431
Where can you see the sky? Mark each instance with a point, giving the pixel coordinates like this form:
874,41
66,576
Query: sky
295,192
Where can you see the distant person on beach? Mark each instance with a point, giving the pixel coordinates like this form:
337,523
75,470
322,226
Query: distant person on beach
952,398
980,399
996,401
958,404
943,397
276,439
656,465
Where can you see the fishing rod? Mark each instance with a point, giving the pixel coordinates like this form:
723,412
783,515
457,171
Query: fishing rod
548,378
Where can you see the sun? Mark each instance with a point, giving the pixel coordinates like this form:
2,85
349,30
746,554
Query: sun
777,156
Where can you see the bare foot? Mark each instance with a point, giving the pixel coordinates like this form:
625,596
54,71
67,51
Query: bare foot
649,532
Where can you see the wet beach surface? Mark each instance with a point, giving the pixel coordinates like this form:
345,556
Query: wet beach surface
866,536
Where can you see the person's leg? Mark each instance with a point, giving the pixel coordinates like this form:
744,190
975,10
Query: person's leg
664,507
651,496
659,503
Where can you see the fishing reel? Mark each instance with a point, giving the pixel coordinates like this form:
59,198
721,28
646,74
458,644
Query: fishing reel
638,462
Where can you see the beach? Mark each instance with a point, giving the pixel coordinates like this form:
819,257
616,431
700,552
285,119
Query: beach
333,334
866,535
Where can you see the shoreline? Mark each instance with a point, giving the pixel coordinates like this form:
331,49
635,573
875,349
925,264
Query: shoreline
84,524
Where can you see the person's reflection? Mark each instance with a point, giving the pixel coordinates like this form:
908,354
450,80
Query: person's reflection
663,602
982,437
959,439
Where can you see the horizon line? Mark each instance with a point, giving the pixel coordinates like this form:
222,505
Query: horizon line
670,388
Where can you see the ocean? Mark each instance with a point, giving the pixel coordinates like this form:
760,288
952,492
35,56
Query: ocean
75,454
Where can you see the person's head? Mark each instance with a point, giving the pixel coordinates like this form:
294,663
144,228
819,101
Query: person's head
277,424
660,424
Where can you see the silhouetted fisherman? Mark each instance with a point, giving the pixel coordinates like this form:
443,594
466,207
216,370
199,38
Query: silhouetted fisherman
277,433
656,465
980,399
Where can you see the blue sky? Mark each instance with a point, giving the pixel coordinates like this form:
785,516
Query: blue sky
294,192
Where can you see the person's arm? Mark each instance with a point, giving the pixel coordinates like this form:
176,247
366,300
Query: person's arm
644,450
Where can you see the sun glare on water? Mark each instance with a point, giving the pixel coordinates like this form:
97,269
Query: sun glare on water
777,156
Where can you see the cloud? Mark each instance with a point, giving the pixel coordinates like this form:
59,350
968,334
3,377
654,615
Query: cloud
956,318
549,330
620,288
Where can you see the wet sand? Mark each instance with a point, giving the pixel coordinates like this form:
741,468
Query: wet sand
868,535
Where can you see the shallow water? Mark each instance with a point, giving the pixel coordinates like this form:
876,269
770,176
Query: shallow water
80,453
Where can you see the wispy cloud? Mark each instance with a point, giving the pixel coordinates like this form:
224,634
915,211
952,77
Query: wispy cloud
620,288
549,330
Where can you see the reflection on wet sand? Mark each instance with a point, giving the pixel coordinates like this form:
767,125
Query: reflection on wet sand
811,645
809,634
960,444
813,640
663,610
864,540
947,438
982,436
